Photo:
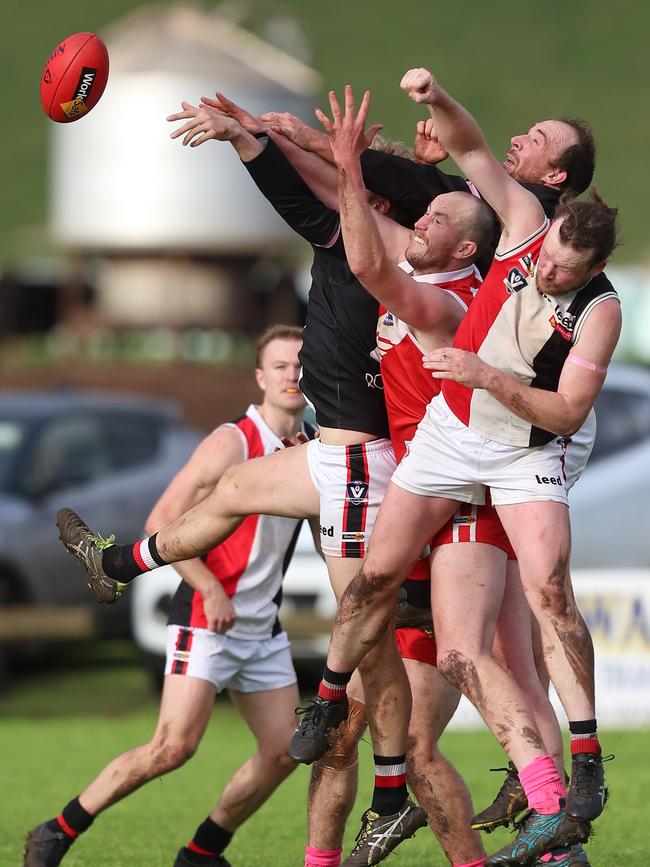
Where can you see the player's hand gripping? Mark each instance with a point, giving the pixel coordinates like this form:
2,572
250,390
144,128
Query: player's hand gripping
226,107
203,124
420,85
427,147
219,611
459,365
346,132
297,131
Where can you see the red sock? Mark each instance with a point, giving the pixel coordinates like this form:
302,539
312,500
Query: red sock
542,785
584,737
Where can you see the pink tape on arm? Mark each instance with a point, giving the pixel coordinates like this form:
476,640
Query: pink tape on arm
582,362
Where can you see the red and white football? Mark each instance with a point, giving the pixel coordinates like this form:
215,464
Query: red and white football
74,77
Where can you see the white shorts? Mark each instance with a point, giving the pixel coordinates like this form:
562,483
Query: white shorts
579,448
230,663
447,459
351,482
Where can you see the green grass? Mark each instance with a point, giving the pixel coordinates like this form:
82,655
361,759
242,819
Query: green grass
59,729
511,64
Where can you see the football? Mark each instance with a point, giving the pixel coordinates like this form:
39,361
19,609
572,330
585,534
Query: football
74,77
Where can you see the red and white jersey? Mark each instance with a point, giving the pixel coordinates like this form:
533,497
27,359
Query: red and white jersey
524,332
250,564
408,387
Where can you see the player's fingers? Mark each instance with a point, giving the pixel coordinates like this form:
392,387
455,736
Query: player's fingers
183,129
430,128
323,119
372,132
420,128
334,105
349,101
364,107
206,136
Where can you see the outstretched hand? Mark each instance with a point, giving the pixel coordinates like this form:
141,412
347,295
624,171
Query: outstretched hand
346,132
420,85
228,108
203,124
459,365
427,147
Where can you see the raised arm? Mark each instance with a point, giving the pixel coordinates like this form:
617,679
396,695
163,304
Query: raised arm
273,174
519,211
192,484
420,305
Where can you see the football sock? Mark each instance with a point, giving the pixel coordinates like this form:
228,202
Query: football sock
315,857
209,840
543,786
584,737
332,686
126,562
73,820
390,785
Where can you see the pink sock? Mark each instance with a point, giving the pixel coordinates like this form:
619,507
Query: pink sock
479,863
322,857
542,785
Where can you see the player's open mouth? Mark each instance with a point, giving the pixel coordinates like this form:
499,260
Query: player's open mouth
508,160
419,240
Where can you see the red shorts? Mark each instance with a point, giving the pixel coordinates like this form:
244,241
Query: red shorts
475,524
416,644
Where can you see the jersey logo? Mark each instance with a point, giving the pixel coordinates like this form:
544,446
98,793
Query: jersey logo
357,493
515,281
388,319
373,380
563,323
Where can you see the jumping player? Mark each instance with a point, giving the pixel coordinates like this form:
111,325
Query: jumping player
223,633
512,427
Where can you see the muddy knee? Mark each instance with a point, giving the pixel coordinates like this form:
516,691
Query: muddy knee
343,752
460,671
169,754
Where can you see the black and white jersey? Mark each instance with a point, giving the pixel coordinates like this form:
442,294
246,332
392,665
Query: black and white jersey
339,376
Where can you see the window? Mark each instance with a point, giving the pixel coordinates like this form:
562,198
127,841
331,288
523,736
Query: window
69,451
132,439
623,420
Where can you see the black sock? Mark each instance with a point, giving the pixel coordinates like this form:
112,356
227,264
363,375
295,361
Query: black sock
332,686
126,562
390,785
73,820
209,840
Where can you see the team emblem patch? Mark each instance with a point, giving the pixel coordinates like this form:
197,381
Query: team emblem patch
388,319
515,281
357,493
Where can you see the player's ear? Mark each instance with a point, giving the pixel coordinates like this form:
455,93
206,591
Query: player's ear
467,249
555,176
260,379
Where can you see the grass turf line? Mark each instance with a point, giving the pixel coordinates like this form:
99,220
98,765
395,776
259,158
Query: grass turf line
55,757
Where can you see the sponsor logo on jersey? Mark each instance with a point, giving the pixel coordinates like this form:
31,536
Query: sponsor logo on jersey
374,380
563,323
357,493
388,319
327,531
549,480
182,655
353,537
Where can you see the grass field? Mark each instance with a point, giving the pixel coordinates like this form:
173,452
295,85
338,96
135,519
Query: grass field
57,730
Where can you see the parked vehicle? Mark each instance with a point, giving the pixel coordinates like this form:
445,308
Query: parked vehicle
108,457
608,507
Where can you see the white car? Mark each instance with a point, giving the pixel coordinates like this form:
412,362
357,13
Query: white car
608,516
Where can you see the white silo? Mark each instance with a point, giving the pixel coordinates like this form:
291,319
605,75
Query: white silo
164,216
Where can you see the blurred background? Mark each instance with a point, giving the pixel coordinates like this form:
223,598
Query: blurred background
135,276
